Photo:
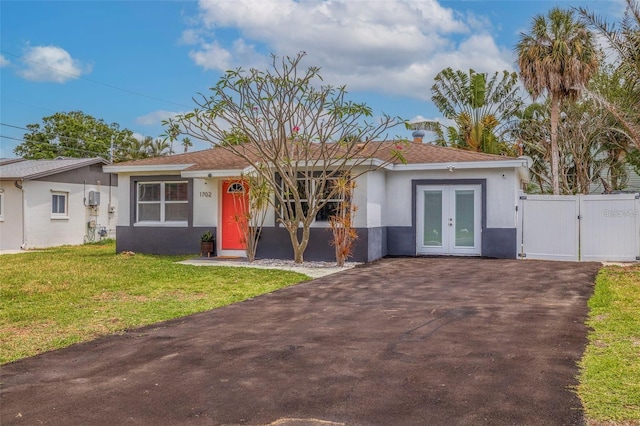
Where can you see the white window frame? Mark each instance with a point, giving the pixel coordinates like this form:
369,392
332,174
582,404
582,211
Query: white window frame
162,202
2,200
65,213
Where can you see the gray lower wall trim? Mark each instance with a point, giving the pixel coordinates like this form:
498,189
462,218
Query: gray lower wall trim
501,243
372,243
401,241
276,244
376,243
160,240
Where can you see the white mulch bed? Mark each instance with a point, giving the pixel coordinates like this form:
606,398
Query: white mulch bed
311,269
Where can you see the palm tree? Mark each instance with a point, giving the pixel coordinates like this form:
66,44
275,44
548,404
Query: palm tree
624,40
160,148
478,105
558,57
186,143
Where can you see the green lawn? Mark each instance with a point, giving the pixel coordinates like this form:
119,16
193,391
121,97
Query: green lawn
610,369
56,297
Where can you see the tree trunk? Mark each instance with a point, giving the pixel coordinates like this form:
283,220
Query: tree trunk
555,158
299,246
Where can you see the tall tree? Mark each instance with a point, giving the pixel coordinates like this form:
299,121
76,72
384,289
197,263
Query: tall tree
186,144
478,105
557,57
591,146
134,149
159,147
73,134
530,130
624,41
307,134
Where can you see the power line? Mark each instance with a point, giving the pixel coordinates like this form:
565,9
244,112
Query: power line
15,127
111,86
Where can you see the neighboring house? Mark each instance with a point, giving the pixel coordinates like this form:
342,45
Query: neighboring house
45,203
442,201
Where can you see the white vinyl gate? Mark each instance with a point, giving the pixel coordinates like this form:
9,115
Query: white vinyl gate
580,227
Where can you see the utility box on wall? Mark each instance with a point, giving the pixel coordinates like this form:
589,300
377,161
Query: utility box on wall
94,198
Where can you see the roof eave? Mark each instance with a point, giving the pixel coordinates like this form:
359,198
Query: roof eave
496,164
114,168
213,173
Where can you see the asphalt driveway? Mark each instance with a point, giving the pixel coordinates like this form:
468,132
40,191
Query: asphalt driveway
413,341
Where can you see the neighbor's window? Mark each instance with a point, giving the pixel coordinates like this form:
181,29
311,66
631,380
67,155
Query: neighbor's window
328,209
59,204
162,202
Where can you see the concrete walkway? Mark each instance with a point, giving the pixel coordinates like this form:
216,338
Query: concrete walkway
417,341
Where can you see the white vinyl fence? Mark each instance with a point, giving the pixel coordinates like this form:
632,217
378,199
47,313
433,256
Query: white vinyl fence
580,227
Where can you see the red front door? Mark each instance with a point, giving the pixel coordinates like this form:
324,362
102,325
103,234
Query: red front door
235,202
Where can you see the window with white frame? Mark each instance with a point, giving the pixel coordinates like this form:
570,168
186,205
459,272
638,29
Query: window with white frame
59,204
1,205
162,202
332,203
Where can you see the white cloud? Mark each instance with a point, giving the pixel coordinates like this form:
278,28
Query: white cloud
51,63
4,62
155,118
393,46
211,56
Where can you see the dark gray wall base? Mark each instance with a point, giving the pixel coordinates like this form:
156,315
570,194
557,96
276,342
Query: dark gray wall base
500,243
372,243
401,241
276,244
160,240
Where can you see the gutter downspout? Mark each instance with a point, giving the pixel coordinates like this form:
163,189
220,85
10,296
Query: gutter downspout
20,186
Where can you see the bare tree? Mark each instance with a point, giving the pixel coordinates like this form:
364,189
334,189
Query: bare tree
624,41
306,133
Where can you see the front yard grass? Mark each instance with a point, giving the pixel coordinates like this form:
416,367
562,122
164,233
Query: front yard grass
609,382
56,297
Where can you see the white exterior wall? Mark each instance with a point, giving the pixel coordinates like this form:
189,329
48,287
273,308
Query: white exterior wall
375,200
206,196
124,203
502,194
11,221
503,189
42,229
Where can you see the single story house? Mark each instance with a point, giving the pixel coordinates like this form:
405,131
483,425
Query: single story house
442,201
46,203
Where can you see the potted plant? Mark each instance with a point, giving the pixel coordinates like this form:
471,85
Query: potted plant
207,244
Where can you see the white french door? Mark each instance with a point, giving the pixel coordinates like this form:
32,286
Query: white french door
448,219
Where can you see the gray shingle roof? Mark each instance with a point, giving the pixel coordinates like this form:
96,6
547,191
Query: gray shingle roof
33,169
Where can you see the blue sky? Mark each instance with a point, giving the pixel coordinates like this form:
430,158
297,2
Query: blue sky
137,62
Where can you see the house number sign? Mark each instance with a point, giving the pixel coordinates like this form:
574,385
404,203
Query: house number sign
205,194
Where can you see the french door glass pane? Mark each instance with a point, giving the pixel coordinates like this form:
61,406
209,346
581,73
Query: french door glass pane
464,218
432,218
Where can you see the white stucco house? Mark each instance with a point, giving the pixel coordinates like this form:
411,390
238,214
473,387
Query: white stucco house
442,201
46,203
